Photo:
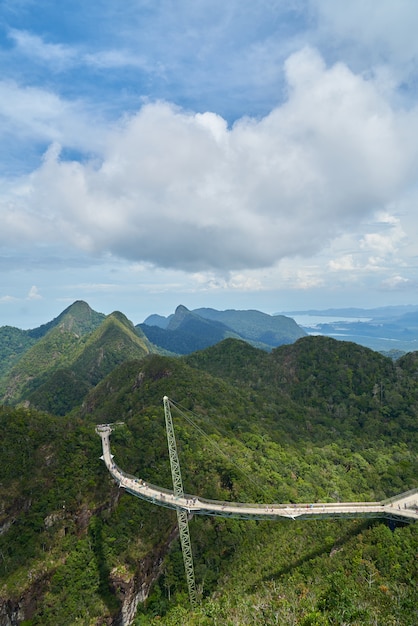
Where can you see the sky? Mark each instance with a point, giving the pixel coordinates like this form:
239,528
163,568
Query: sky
245,155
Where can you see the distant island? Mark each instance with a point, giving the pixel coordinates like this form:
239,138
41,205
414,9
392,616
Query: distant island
392,330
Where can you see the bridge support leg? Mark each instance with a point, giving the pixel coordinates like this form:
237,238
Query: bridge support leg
182,518
186,547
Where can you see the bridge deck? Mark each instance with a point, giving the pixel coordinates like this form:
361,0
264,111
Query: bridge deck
403,507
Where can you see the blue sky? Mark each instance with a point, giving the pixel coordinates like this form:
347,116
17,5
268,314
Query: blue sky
233,155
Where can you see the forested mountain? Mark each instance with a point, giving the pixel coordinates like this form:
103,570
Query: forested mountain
70,357
271,330
318,420
65,332
80,346
187,331
78,317
13,344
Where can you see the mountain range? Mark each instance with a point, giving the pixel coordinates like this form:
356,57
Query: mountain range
186,331
52,367
73,352
311,420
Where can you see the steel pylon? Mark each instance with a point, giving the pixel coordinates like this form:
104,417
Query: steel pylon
182,516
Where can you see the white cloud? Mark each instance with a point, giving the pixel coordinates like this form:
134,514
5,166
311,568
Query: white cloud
307,279
383,32
57,55
344,263
397,283
92,287
110,59
388,241
36,114
33,293
319,194
6,299
234,281
176,189
61,57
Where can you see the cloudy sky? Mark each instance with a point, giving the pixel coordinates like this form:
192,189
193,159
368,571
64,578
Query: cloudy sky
231,154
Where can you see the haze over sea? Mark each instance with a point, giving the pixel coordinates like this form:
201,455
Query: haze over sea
311,321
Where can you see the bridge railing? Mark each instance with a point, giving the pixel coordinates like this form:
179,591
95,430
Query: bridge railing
286,505
401,496
239,505
140,481
262,506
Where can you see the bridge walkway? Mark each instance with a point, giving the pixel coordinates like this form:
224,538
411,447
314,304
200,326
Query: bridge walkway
403,507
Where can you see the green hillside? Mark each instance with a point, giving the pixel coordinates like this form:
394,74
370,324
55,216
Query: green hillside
54,356
46,348
316,420
57,371
13,344
113,342
78,317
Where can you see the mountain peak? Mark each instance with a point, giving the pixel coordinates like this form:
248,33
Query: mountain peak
180,314
181,310
78,318
121,317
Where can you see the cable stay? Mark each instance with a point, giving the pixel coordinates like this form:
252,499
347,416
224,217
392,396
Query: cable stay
257,484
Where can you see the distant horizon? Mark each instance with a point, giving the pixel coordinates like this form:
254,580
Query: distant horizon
329,312
353,309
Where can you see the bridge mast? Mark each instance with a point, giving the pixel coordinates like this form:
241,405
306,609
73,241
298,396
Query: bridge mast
182,519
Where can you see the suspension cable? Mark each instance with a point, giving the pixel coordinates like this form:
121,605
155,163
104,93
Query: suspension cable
182,410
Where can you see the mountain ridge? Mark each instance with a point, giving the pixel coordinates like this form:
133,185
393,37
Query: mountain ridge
77,349
186,331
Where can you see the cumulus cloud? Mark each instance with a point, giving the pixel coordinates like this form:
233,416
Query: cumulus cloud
384,32
182,190
344,263
386,242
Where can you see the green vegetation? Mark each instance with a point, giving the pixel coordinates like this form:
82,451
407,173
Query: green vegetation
316,420
13,344
306,574
70,358
78,317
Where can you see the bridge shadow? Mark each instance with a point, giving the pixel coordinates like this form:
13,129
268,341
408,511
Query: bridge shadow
298,562
105,589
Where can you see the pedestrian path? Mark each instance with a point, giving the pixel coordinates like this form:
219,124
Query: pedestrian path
403,507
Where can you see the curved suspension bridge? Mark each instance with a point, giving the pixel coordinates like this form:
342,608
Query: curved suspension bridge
403,507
